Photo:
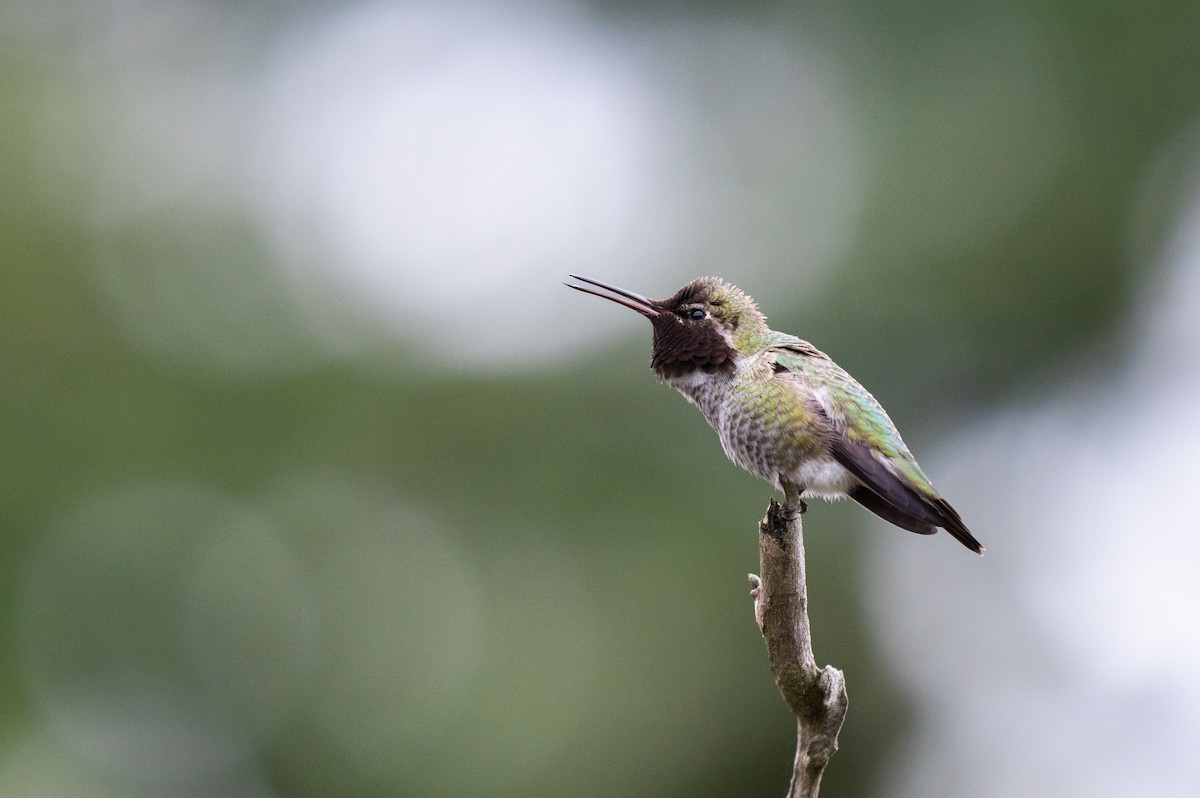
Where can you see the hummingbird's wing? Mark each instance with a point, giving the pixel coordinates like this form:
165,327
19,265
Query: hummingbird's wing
867,444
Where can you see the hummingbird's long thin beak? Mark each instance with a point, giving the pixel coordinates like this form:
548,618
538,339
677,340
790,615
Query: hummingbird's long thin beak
639,303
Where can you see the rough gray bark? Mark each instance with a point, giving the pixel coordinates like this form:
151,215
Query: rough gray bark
817,696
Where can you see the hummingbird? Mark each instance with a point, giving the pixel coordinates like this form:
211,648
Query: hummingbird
784,411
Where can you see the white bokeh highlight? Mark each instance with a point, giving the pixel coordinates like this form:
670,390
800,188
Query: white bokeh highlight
1067,662
415,179
445,166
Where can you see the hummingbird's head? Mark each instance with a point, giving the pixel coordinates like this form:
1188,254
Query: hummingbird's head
703,326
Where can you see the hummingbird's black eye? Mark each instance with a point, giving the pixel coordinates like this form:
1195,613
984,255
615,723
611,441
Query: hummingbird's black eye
696,313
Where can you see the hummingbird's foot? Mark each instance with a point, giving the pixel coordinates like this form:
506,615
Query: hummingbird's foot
756,594
790,512
793,505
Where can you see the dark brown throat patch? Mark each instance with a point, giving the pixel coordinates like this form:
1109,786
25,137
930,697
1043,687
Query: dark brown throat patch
681,347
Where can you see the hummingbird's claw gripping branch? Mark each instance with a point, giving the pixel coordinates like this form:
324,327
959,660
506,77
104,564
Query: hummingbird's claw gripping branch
817,696
790,512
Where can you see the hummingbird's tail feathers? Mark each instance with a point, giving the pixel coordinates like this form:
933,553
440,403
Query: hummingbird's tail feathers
891,498
889,512
952,522
948,520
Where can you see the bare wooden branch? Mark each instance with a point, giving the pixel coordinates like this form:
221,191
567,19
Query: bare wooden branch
817,696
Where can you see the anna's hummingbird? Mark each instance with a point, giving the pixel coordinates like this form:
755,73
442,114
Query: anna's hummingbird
784,410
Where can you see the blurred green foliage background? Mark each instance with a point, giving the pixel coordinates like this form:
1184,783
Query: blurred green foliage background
315,481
